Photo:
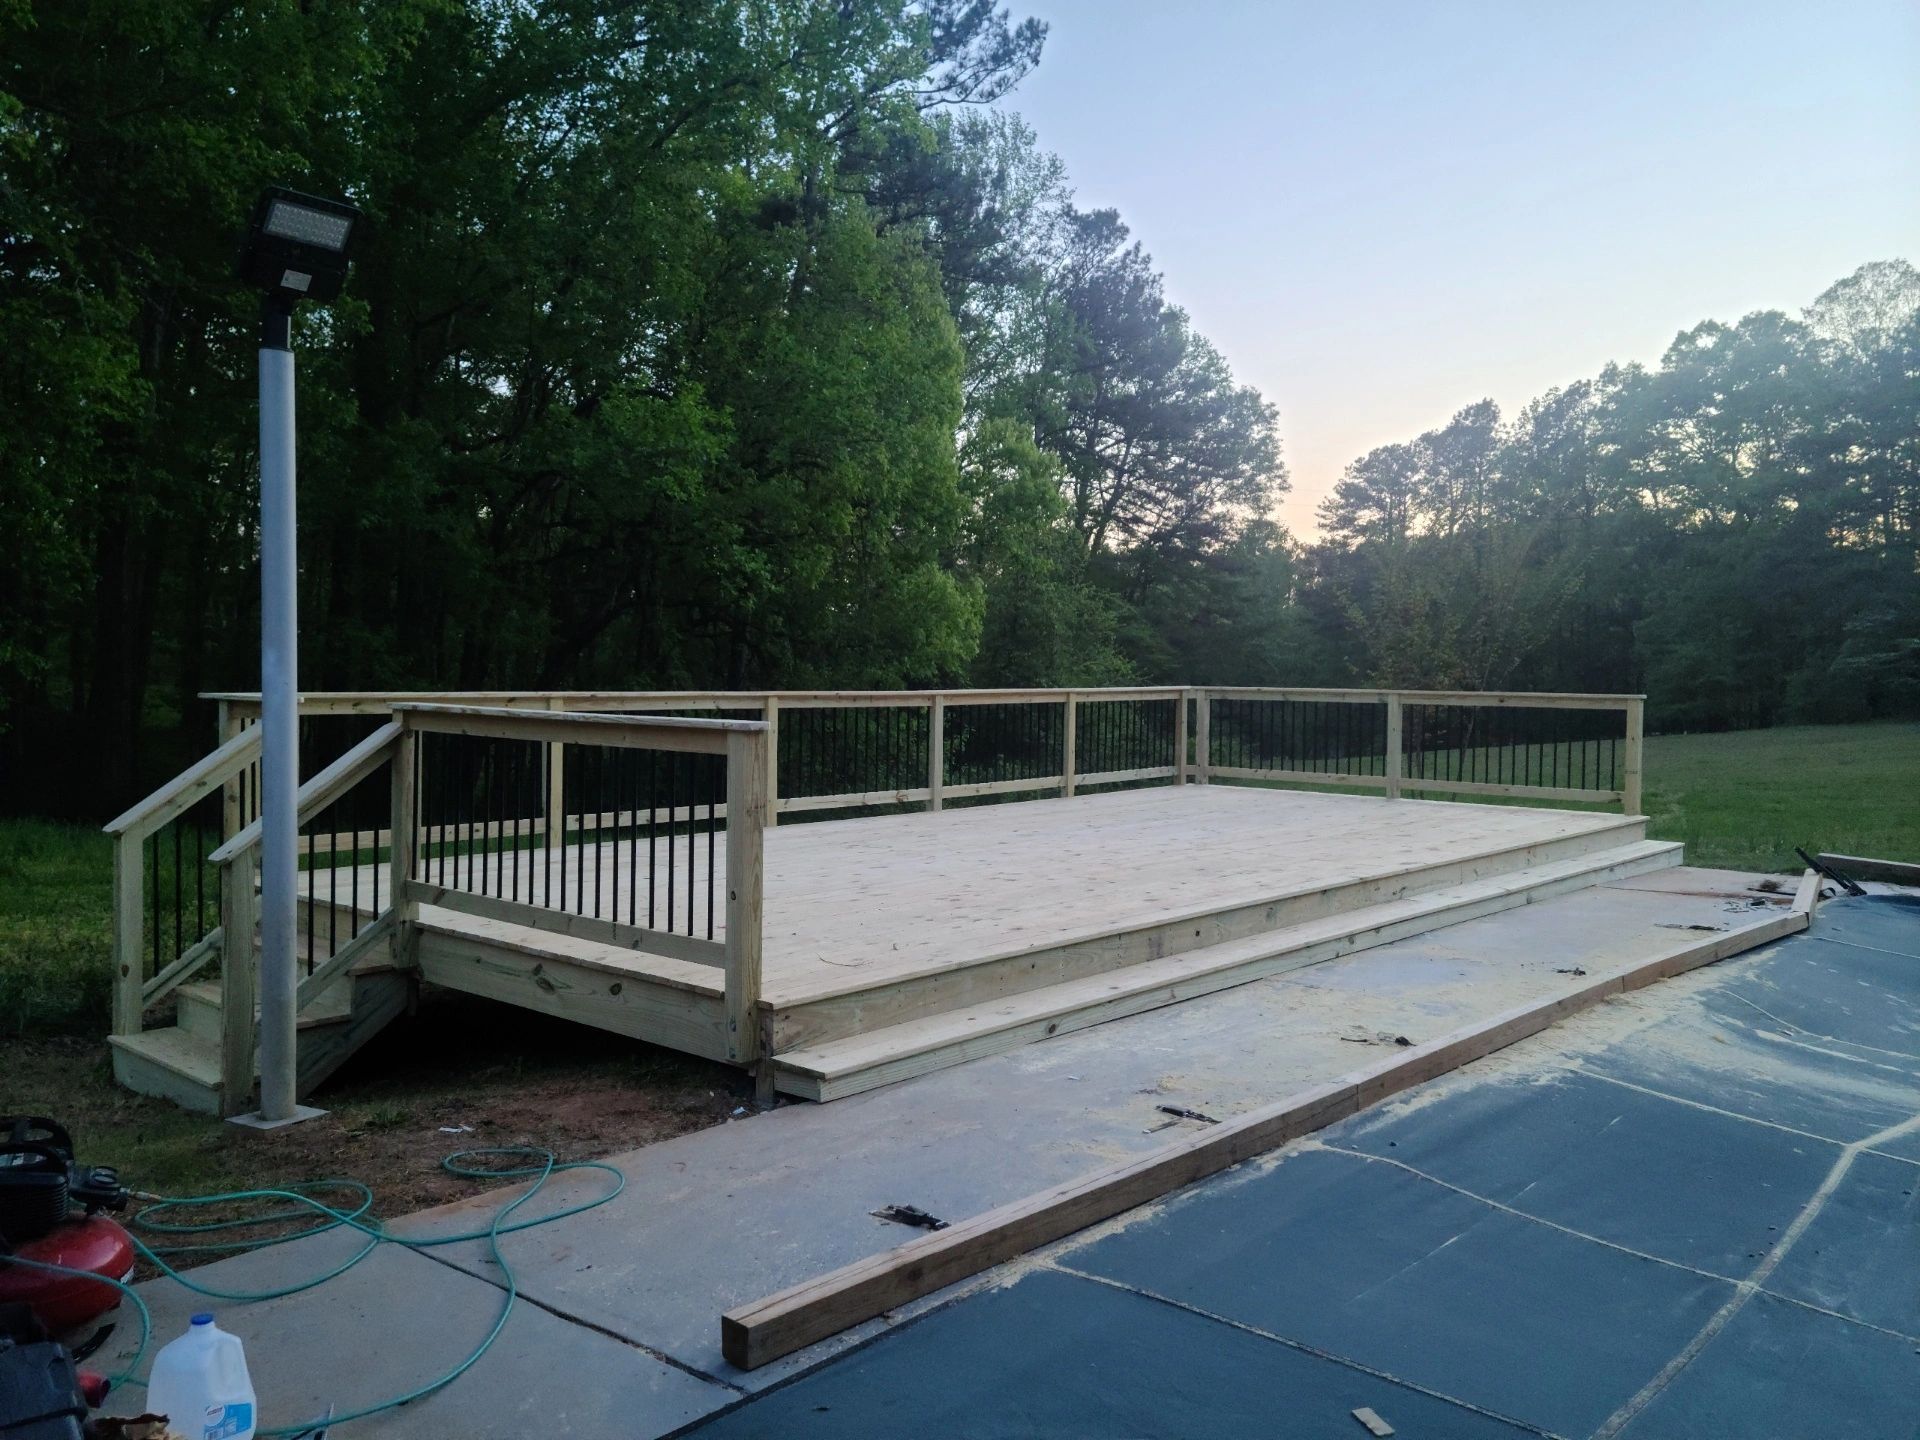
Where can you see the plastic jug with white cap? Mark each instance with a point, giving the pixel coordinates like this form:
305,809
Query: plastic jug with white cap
200,1383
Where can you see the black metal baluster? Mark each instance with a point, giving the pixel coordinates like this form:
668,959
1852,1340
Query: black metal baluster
468,781
673,769
179,900
333,879
152,844
512,783
199,878
712,800
577,773
353,875
693,834
546,824
633,839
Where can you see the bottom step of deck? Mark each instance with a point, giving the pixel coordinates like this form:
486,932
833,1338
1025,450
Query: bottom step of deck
181,1062
837,1068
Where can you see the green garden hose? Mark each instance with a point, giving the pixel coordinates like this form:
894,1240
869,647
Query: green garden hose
300,1203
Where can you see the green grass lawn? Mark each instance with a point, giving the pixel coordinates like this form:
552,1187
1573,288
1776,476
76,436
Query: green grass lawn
1744,800
56,929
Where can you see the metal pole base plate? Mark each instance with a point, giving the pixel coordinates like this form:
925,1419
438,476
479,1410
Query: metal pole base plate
253,1119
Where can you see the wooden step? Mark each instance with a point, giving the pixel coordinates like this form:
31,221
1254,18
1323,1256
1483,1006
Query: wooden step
847,1066
172,1064
200,1007
181,1062
861,1007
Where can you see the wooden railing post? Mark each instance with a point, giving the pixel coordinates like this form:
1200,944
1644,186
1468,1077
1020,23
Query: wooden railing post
1395,743
557,782
1630,781
1071,741
238,913
1181,762
770,713
1202,736
936,751
129,933
230,817
746,822
403,840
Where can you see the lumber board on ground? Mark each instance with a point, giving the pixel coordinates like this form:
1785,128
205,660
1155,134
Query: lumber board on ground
754,1334
1861,867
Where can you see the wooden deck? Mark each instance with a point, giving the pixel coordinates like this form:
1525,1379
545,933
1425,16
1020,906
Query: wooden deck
894,944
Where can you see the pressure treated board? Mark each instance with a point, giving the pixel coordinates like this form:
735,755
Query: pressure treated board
756,1333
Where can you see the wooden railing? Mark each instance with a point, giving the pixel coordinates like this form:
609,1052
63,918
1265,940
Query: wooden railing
1559,747
648,803
159,941
847,749
454,837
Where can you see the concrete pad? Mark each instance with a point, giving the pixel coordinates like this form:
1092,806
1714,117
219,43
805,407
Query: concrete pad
396,1321
728,1215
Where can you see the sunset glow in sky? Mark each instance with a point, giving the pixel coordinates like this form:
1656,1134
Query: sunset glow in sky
1382,212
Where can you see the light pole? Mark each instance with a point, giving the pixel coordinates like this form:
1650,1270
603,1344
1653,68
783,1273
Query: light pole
296,249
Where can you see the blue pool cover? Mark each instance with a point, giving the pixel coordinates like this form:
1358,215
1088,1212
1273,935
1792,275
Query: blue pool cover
1703,1225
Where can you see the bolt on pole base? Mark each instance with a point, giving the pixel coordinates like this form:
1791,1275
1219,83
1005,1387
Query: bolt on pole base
254,1120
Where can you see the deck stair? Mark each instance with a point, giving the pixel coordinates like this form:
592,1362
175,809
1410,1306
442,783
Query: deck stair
181,1061
828,1069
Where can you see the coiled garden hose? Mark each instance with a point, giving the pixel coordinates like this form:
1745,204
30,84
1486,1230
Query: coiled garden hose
299,1203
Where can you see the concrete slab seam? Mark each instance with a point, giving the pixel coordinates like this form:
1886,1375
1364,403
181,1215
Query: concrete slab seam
1754,1283
595,1326
1344,1361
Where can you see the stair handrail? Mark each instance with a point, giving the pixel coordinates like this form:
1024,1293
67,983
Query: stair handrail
133,990
239,963
322,790
188,788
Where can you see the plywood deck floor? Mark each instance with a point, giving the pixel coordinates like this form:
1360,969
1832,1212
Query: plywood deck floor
855,904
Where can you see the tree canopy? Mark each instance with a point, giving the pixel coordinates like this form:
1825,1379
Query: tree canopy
1736,530
744,343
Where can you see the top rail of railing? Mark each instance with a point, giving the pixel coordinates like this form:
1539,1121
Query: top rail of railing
373,702
369,702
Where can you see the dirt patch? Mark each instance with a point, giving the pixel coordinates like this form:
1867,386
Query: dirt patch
463,1073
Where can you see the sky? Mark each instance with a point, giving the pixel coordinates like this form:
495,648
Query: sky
1382,211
